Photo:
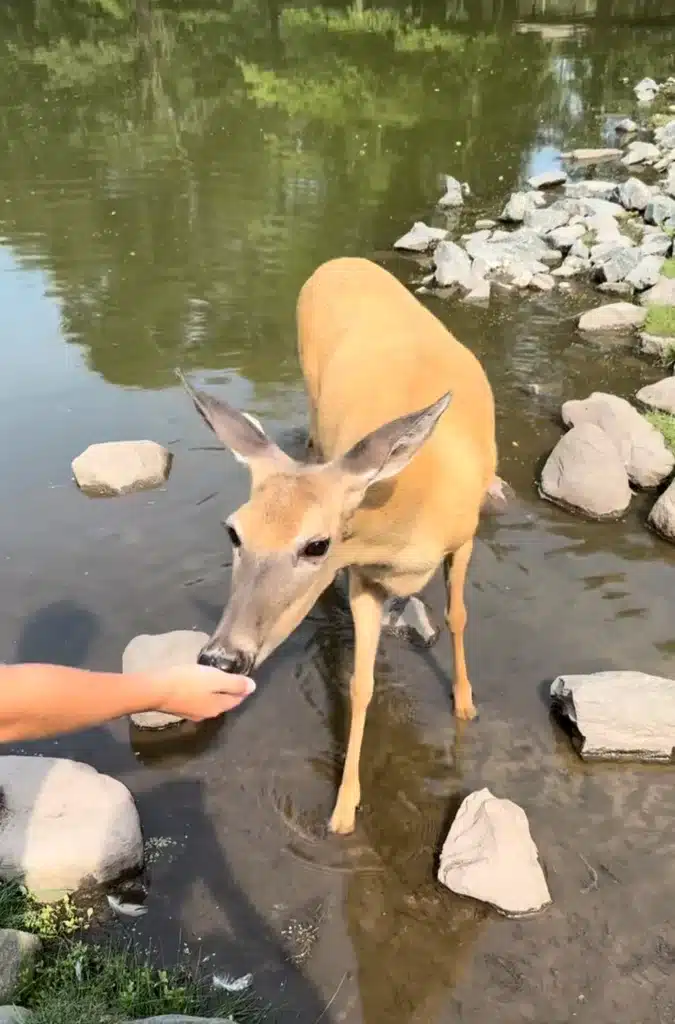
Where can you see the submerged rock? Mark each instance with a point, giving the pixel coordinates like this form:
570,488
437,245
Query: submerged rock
640,446
489,855
65,825
18,953
585,473
660,395
662,517
616,316
121,467
627,716
151,652
548,179
420,238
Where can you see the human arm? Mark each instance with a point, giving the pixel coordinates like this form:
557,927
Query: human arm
39,700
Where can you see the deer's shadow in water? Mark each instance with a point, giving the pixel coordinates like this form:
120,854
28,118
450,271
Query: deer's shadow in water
411,936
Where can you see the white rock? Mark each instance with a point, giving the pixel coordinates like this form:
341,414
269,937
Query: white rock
543,282
660,210
665,135
489,854
626,125
565,237
485,224
546,221
655,242
420,238
453,195
593,189
620,715
15,1015
480,292
616,316
662,515
646,274
640,446
618,263
640,153
634,194
660,395
585,472
120,467
517,206
548,179
18,953
571,266
150,652
646,90
65,824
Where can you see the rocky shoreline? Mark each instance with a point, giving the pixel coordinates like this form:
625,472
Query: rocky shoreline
572,228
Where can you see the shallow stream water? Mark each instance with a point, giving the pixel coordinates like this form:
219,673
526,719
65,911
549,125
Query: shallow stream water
164,192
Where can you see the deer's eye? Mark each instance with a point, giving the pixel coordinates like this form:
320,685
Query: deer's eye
235,539
316,548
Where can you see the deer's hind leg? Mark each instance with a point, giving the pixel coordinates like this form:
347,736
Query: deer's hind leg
366,607
455,568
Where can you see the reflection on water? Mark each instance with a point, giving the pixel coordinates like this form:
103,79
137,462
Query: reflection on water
169,175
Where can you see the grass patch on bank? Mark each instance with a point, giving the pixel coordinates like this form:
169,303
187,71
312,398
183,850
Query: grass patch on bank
660,320
664,422
668,268
82,982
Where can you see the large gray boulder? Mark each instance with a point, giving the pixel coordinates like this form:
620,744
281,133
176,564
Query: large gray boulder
615,316
151,652
640,446
660,395
634,194
647,272
584,472
628,716
662,515
18,953
121,467
489,855
65,825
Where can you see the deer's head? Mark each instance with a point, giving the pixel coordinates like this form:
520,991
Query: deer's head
288,539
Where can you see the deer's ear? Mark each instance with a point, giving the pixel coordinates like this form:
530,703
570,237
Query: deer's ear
383,453
238,431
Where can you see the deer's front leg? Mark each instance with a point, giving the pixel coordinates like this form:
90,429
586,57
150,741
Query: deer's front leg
455,570
366,606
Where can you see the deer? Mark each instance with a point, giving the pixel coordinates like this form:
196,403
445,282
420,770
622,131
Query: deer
402,423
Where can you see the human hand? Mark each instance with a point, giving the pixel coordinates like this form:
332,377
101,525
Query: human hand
199,691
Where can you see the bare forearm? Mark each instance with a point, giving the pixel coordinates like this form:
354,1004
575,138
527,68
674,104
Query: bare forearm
44,700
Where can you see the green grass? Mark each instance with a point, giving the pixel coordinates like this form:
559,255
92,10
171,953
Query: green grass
80,982
660,320
664,422
668,268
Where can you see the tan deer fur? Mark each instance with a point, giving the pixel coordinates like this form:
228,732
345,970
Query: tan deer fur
398,490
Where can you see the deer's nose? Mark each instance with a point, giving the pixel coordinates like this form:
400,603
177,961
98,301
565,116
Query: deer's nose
238,663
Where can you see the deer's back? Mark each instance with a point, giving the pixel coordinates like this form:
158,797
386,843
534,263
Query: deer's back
371,352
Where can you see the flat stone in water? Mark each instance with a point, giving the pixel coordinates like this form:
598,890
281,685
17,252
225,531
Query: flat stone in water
548,179
585,473
628,716
453,195
640,446
152,652
591,155
420,238
121,467
489,855
615,316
